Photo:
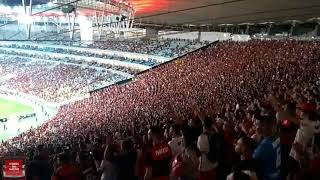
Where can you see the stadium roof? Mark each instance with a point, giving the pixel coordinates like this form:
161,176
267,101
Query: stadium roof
215,12
19,2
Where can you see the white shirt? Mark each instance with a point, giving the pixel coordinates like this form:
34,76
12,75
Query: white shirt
176,145
305,135
203,145
108,170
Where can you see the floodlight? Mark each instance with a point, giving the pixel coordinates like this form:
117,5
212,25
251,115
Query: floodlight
25,19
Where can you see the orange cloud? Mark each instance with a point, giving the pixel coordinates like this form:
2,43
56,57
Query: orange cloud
150,6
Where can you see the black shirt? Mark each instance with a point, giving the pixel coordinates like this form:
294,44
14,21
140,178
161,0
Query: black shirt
40,168
251,165
126,165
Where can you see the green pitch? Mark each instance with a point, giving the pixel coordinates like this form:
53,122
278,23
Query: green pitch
10,108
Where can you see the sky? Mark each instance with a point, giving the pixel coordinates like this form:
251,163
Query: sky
142,6
150,6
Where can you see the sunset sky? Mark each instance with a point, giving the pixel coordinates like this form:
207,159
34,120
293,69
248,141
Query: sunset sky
150,6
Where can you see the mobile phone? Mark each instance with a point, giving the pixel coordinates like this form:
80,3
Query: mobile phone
285,123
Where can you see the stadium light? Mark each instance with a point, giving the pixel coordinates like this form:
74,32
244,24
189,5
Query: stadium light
25,19
50,4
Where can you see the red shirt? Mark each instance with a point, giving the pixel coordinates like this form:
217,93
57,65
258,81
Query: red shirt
247,125
229,137
315,166
68,172
288,132
159,159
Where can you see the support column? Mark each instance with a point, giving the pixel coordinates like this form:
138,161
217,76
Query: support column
29,24
28,14
132,20
292,28
73,25
24,11
86,29
100,18
247,29
269,28
24,6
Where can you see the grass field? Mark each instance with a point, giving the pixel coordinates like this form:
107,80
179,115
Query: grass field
10,108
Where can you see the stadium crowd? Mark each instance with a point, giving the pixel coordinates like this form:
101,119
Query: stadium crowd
82,52
73,59
79,61
235,110
52,81
159,47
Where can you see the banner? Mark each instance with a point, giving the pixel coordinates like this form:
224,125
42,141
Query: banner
14,168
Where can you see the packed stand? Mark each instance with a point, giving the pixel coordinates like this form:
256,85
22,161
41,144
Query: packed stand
72,60
236,110
160,47
82,52
52,81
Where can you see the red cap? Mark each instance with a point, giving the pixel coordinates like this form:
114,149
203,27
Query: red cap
307,107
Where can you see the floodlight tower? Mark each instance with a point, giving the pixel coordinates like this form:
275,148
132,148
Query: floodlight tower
100,17
28,14
96,17
70,11
112,15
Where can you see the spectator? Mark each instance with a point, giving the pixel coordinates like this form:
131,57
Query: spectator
66,169
196,127
315,161
185,165
159,158
245,147
176,141
87,166
268,152
309,126
107,166
126,161
39,169
207,167
302,148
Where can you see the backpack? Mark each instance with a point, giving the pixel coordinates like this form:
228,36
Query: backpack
216,143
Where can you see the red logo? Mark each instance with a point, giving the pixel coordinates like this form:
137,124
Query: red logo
13,169
161,152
